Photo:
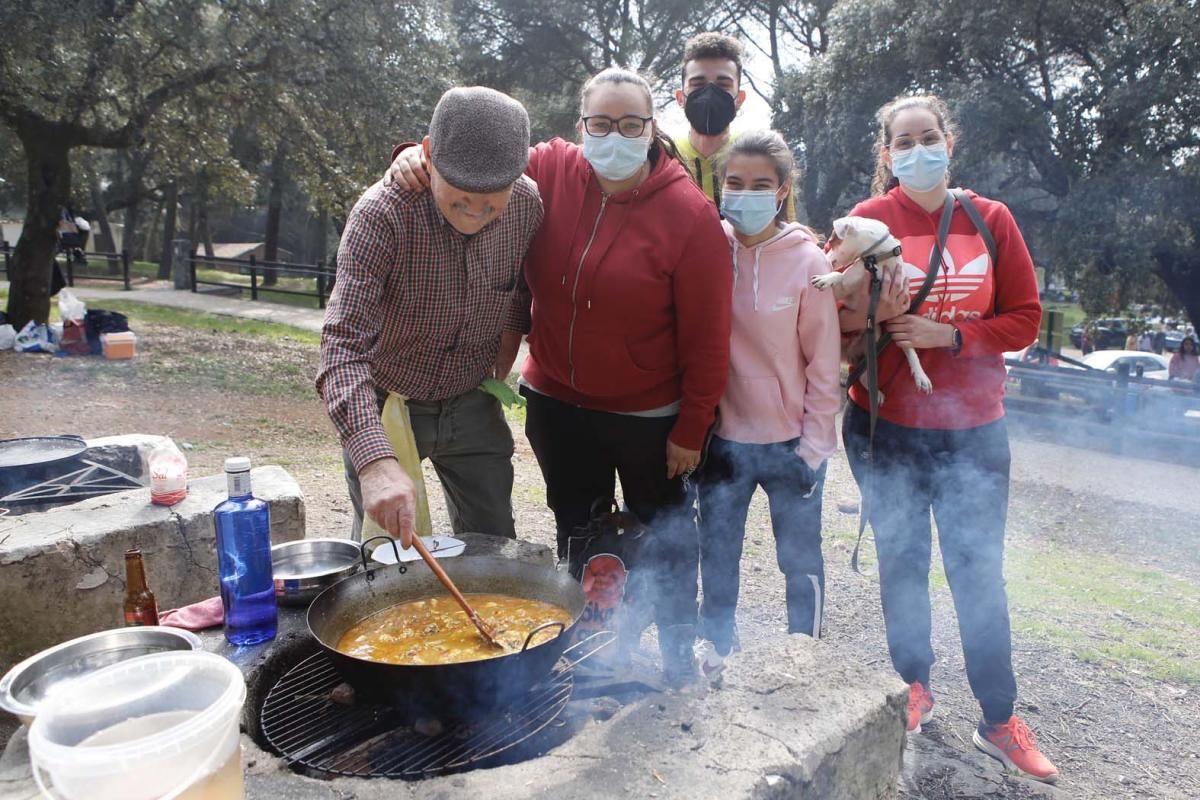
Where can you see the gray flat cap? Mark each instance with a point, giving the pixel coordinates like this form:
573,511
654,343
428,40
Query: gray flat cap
479,139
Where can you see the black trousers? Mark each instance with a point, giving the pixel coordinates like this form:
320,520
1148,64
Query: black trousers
581,454
962,475
731,475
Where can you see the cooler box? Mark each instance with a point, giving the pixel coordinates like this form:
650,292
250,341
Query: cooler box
118,345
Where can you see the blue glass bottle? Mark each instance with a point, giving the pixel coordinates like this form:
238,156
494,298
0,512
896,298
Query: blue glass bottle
243,525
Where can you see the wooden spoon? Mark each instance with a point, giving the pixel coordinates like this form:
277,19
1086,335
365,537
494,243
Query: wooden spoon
484,629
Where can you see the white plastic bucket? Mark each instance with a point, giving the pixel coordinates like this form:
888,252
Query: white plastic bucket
157,727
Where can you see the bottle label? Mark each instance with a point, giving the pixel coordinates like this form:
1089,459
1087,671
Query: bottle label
239,483
168,478
141,616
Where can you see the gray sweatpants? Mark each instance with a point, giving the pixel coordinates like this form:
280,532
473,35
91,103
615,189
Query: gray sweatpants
471,447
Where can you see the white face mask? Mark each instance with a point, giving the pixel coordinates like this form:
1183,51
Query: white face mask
921,168
614,156
750,212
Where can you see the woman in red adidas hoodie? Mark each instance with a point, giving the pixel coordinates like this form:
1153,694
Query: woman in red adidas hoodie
947,451
629,343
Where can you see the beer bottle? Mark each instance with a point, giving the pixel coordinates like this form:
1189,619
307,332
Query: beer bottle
140,607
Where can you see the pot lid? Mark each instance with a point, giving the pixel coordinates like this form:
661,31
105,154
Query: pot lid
35,450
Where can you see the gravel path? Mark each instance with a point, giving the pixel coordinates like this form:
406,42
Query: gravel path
1115,731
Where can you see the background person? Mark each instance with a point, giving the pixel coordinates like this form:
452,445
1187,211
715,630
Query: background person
1185,363
711,96
776,423
946,452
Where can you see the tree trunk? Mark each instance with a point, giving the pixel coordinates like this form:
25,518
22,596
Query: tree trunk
49,174
171,201
1182,277
132,220
274,210
205,230
319,238
105,241
150,242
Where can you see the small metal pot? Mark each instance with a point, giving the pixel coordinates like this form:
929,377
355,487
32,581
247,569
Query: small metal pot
306,567
28,684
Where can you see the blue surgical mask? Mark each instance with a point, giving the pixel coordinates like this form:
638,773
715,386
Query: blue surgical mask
615,157
921,168
749,212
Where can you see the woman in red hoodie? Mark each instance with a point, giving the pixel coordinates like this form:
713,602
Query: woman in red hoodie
629,343
946,451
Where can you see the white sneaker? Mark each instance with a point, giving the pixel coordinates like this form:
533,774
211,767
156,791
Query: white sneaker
712,663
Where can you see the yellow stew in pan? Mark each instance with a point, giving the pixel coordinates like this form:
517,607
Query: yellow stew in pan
436,631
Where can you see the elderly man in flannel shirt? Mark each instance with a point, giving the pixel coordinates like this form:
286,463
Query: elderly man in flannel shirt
429,303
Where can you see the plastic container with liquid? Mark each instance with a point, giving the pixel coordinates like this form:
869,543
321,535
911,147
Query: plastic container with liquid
158,727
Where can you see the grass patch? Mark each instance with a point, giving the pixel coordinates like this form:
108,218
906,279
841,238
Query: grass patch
1072,314
1101,610
197,320
1107,611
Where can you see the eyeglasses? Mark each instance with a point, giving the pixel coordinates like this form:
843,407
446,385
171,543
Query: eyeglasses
902,143
630,126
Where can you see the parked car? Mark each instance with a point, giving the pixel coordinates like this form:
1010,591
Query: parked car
1025,382
1152,364
1174,339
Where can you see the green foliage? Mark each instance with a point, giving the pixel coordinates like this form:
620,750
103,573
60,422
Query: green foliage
542,51
1079,114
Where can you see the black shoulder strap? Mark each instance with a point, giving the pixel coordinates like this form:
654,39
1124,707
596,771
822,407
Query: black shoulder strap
977,220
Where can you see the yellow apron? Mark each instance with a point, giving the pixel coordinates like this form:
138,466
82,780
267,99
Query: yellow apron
398,426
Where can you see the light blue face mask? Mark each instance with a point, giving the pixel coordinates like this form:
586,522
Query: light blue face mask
749,212
614,156
921,168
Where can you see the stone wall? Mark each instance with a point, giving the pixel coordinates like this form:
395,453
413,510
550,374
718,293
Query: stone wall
63,570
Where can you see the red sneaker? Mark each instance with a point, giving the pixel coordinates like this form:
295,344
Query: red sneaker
920,706
1015,746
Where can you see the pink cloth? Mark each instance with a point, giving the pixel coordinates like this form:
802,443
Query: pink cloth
785,351
196,617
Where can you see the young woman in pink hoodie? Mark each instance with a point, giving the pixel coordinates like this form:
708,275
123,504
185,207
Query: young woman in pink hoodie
776,423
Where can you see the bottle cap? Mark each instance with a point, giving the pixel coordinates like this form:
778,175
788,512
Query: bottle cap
237,464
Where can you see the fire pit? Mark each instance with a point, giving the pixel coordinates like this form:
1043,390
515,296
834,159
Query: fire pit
307,720
793,719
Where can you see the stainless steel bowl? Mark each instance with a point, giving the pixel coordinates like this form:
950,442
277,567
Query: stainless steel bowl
29,683
306,567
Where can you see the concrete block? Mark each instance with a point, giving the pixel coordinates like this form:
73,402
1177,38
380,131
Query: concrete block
793,720
63,570
129,453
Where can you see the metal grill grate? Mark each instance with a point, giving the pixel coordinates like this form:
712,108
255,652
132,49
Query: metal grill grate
309,729
91,480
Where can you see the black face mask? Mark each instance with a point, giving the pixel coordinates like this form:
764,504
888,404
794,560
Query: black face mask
710,109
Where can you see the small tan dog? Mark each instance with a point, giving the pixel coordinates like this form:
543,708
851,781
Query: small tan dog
852,238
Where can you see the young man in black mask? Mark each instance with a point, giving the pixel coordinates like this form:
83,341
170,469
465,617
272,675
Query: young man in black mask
711,95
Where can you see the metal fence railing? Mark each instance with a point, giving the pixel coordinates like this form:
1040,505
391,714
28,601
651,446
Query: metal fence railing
1117,409
256,270
72,269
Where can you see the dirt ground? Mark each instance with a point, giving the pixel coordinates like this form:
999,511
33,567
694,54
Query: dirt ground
1103,563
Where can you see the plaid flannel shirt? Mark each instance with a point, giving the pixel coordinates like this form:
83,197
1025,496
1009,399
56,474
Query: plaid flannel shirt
418,308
